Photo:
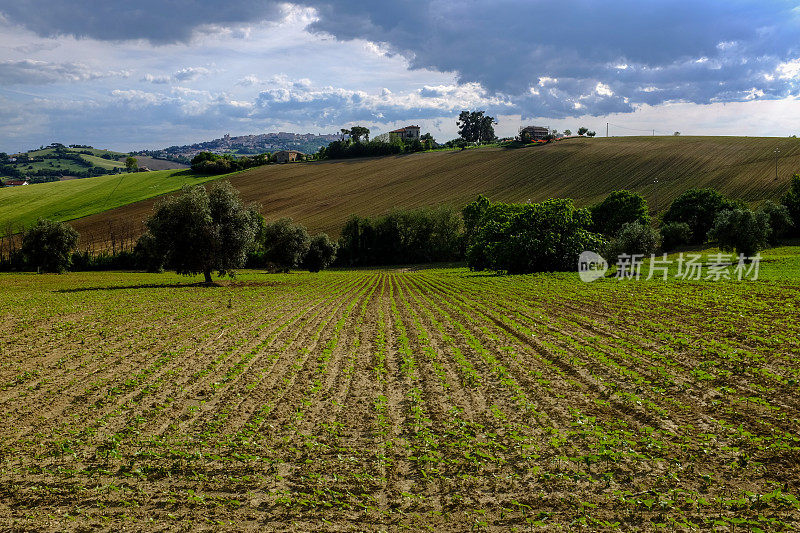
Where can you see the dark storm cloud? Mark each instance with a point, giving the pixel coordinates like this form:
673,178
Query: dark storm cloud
158,21
641,52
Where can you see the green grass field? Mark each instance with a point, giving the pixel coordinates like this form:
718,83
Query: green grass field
400,399
67,166
105,163
67,200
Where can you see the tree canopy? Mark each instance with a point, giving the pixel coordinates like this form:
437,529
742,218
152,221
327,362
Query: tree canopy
321,253
741,230
200,230
792,202
699,209
475,126
285,244
356,132
618,208
48,245
520,238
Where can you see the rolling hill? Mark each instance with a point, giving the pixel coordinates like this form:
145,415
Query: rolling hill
322,195
68,200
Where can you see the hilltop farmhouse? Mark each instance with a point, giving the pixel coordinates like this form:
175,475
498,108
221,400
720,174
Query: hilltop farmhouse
288,156
533,133
409,133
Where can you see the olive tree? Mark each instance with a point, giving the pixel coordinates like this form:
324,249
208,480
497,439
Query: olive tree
285,244
48,245
741,230
321,253
199,230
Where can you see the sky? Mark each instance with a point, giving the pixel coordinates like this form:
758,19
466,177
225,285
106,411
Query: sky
130,75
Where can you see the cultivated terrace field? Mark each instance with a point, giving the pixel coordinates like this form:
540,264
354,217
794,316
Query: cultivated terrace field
391,399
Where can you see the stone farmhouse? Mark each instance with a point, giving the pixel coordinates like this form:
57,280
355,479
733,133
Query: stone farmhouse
409,133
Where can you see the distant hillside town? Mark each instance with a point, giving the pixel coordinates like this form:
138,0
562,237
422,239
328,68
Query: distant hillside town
246,145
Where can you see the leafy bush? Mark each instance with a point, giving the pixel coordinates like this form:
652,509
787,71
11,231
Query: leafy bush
675,234
792,202
415,236
780,221
519,238
633,238
199,231
619,208
48,245
321,253
741,230
699,209
284,244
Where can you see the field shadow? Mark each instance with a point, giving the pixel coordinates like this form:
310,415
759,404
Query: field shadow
201,285
143,286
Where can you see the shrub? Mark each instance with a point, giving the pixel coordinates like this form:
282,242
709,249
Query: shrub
675,234
741,230
199,231
633,238
519,238
48,245
619,207
780,221
699,209
285,244
321,253
792,202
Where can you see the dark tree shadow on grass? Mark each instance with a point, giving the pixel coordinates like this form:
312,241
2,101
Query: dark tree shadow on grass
198,285
143,286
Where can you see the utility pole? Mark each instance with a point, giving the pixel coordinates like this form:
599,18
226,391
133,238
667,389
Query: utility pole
777,151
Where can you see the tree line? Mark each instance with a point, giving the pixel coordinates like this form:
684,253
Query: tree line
352,145
205,230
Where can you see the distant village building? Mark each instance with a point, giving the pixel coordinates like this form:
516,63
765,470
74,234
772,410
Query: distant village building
15,183
409,133
533,133
288,156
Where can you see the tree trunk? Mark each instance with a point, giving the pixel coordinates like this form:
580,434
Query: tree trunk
207,274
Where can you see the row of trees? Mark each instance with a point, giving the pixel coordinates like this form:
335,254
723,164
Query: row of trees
696,217
351,145
205,230
200,231
210,163
412,236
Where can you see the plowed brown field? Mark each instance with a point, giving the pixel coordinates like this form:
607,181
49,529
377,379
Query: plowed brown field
387,400
323,195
